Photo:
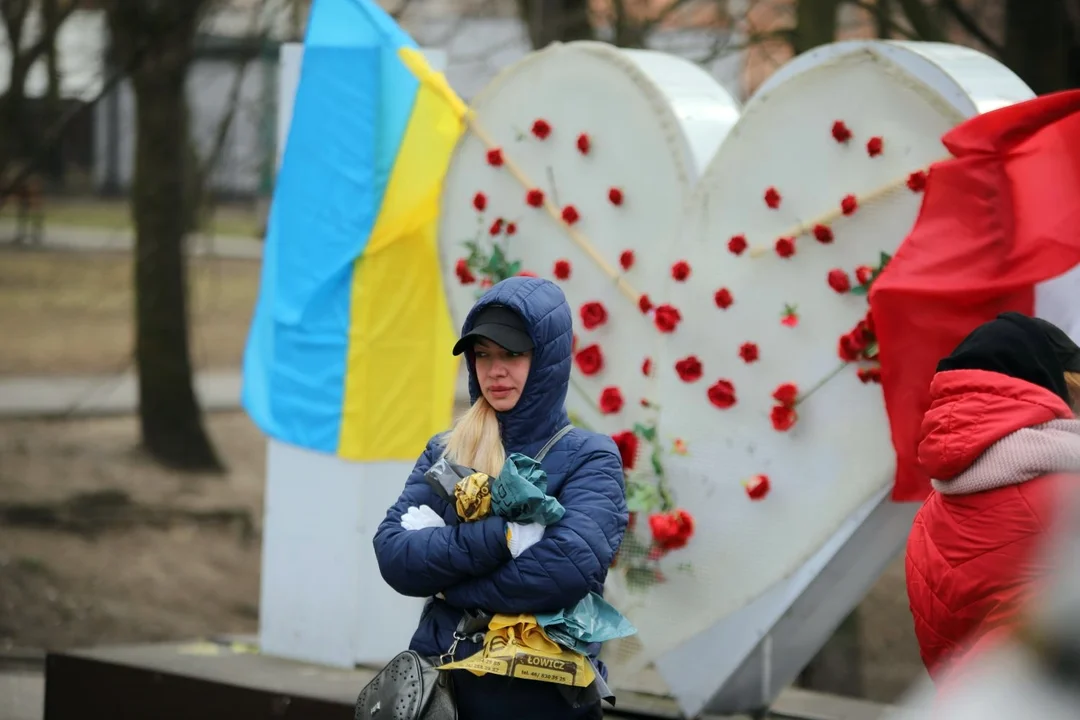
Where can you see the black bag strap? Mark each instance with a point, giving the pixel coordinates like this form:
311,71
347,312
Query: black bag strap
551,443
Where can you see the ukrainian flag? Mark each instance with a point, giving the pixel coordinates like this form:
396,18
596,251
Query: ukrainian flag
349,349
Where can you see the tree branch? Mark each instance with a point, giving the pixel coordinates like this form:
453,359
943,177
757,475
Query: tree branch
921,21
964,19
896,27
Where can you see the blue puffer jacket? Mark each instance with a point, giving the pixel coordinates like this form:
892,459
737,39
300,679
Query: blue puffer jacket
470,564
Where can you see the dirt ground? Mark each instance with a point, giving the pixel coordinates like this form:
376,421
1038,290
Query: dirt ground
67,313
115,214
149,560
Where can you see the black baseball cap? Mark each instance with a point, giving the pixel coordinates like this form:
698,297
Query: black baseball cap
502,326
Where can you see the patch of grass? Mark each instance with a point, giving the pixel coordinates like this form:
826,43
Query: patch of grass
67,313
32,565
108,214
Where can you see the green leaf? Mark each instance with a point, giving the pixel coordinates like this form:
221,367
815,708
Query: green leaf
860,289
642,497
647,432
657,466
513,269
640,578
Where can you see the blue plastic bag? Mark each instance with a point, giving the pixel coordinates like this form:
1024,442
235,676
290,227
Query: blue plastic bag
593,620
519,493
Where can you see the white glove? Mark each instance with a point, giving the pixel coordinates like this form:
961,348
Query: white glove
522,537
418,518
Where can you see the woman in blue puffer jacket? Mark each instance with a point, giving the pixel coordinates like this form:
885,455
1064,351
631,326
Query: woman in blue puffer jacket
517,344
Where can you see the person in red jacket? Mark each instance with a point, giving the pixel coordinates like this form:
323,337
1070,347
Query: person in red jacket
999,439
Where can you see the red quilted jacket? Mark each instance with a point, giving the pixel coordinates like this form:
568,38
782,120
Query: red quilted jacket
972,560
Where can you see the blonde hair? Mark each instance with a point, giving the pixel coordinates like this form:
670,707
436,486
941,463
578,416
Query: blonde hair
475,441
1072,379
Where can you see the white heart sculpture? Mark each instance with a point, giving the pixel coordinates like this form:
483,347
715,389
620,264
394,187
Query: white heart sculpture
853,120
631,95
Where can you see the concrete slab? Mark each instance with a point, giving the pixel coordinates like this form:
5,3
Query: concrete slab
22,696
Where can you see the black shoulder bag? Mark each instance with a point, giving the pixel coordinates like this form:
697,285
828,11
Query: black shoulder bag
411,686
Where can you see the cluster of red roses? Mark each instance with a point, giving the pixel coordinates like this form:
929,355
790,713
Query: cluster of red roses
783,415
670,530
840,281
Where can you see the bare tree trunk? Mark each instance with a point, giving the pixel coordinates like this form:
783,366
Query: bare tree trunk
1038,40
556,21
169,414
815,23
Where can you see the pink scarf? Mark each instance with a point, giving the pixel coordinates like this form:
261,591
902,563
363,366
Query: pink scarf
1026,454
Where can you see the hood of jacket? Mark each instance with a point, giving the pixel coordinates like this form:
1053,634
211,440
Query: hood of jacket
540,411
970,410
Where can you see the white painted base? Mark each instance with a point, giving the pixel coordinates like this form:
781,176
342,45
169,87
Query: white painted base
322,599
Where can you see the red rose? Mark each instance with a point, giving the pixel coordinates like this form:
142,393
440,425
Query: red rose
626,259
479,201
511,228
722,394
737,244
611,400
786,394
839,281
789,319
783,418
689,369
583,144
495,157
874,146
823,234
593,314
870,375
486,283
590,360
562,269
464,274
862,332
723,298
535,197
840,132
627,443
748,351
615,196
863,274
849,204
646,366
496,227
772,198
680,271
673,530
850,347
541,129
526,273
570,215
916,181
869,322
644,303
757,487
785,247
667,318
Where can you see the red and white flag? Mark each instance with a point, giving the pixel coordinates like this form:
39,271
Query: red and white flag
999,229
